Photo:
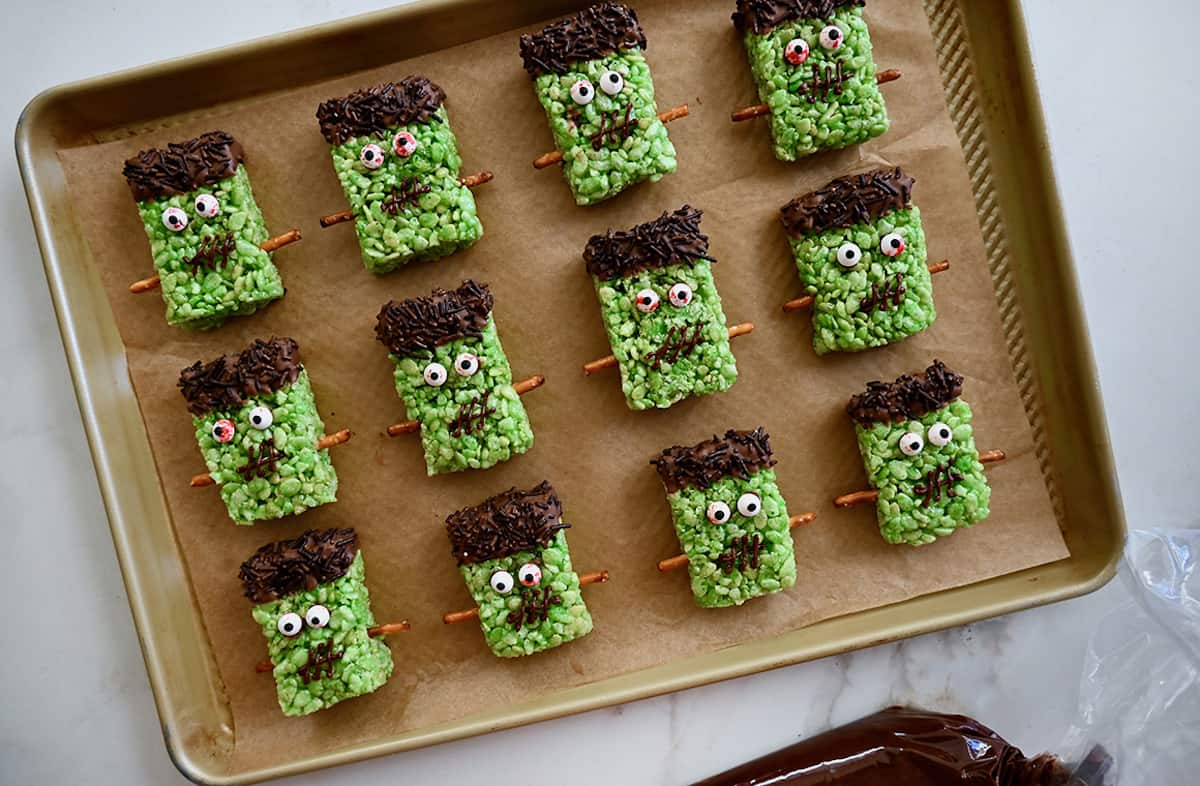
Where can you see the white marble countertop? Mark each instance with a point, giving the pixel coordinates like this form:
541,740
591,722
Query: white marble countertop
76,704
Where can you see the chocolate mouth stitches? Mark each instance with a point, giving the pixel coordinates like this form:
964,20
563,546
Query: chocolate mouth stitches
679,343
404,195
262,462
613,130
321,660
944,477
827,80
535,607
742,553
214,250
891,293
472,416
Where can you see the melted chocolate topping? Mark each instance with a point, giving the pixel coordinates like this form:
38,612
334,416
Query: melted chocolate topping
183,166
226,383
288,566
737,454
506,524
849,200
669,239
377,110
763,16
417,325
907,398
592,33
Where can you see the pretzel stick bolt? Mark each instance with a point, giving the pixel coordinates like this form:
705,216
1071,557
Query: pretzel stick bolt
611,361
470,181
549,159
679,560
325,442
758,110
801,303
858,497
379,630
413,426
451,617
268,245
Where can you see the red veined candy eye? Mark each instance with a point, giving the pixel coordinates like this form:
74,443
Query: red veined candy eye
223,431
207,206
718,512
405,144
832,37
371,156
892,244
174,219
647,300
466,364
530,575
582,92
680,295
796,51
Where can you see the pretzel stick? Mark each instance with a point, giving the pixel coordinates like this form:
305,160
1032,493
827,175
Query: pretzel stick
413,426
801,303
549,159
451,617
857,497
324,443
268,245
379,630
470,181
679,560
758,110
611,361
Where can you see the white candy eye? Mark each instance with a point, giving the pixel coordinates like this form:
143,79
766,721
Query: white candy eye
680,295
647,300
796,51
892,244
223,431
466,364
405,144
582,92
749,505
849,255
502,582
290,624
940,434
371,156
317,616
911,443
174,219
261,418
529,575
831,37
718,512
435,375
207,205
612,83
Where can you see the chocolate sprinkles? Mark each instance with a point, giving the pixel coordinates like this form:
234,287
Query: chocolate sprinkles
506,524
849,200
288,566
667,240
738,454
907,398
226,383
183,166
592,33
417,325
763,16
379,109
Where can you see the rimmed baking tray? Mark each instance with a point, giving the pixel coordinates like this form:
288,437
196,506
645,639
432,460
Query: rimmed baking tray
995,107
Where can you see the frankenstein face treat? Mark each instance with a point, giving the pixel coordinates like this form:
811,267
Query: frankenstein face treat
860,250
592,79
311,599
454,379
512,552
812,65
661,310
260,433
210,245
730,517
398,163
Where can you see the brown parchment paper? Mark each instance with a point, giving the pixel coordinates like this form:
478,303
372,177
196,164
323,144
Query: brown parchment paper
587,442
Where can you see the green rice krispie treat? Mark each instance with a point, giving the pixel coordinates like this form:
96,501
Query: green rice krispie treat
661,310
398,163
813,67
204,229
259,430
730,517
311,600
860,251
454,378
916,442
512,553
592,79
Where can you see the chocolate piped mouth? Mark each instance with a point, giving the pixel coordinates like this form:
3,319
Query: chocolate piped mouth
404,195
262,461
888,296
742,553
535,607
826,81
681,341
472,415
615,126
214,250
936,481
321,661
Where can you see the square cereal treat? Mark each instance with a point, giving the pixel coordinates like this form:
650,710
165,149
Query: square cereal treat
398,163
512,553
258,427
661,310
813,67
454,378
731,519
860,251
311,599
916,442
205,230
592,79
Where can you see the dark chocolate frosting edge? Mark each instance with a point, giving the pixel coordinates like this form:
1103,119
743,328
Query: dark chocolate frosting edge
737,454
508,523
594,32
287,566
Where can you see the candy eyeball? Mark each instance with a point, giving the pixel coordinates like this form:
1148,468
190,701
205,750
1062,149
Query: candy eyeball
174,219
582,92
290,624
405,144
796,51
530,575
261,418
612,83
832,37
317,616
940,434
207,206
849,255
223,431
502,582
680,295
647,300
749,505
466,364
371,156
911,443
718,512
435,375
892,244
